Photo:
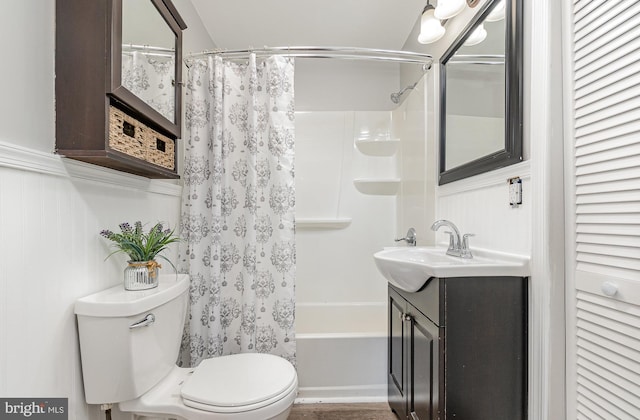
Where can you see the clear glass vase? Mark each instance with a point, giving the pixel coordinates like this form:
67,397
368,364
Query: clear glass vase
141,275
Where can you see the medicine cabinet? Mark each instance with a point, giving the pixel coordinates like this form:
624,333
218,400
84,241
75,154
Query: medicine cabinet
118,84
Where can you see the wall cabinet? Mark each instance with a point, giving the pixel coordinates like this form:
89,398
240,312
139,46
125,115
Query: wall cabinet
458,349
118,80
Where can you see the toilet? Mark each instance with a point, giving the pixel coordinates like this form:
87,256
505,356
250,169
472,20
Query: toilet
129,343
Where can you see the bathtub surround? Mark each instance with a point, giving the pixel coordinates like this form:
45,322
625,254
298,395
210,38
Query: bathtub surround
340,297
238,209
341,349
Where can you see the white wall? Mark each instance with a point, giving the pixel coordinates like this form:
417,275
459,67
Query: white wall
479,204
51,212
345,85
473,203
416,199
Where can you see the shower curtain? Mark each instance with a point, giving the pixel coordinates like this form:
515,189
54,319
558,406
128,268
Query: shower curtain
150,78
238,208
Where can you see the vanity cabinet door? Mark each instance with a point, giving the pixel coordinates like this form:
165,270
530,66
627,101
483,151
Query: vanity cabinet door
413,361
458,349
423,367
399,340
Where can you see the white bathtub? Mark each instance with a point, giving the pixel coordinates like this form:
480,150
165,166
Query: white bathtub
341,352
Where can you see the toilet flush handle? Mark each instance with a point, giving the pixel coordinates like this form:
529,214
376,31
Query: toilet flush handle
148,320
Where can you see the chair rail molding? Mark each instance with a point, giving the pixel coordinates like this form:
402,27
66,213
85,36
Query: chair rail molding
487,179
25,159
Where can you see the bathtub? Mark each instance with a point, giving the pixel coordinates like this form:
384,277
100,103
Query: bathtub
341,352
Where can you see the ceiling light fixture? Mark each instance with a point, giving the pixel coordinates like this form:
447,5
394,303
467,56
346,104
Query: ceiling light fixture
497,13
447,9
431,28
477,36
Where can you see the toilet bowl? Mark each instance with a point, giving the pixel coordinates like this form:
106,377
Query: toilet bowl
243,387
129,342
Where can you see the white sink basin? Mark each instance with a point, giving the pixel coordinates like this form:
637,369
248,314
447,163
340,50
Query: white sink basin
409,268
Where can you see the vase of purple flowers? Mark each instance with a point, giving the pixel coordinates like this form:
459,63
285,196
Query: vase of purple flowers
142,248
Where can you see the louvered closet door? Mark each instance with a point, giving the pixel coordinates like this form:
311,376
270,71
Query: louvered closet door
604,353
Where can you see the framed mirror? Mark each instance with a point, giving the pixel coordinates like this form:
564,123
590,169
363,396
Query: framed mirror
146,60
481,94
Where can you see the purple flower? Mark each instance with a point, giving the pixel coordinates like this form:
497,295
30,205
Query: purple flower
138,245
125,227
106,233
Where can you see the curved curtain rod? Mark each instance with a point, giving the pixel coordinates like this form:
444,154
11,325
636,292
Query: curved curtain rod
127,46
350,53
477,59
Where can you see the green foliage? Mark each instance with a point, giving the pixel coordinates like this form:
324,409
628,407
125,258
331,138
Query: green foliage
140,246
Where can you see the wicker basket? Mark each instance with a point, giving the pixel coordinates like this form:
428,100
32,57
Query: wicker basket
131,137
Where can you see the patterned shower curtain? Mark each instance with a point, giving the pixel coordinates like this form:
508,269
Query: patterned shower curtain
150,78
238,208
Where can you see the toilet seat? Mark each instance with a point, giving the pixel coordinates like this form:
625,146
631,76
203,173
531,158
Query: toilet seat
239,383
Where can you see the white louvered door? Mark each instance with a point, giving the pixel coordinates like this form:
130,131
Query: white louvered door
603,324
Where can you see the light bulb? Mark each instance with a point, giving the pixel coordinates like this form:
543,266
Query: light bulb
449,8
497,13
431,29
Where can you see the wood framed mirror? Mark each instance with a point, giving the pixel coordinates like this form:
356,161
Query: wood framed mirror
146,60
481,94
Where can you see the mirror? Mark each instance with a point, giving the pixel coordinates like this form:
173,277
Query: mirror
481,94
148,56
146,60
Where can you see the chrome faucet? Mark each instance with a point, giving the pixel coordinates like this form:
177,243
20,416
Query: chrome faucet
410,238
457,247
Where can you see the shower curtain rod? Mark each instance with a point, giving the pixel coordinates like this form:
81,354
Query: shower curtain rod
350,53
146,48
477,59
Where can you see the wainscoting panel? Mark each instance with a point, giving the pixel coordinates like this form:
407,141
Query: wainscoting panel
51,254
480,205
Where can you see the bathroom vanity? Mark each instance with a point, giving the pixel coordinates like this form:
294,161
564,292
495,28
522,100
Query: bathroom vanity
458,349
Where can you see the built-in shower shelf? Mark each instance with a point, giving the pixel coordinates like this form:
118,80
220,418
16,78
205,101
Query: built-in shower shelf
318,223
375,186
379,147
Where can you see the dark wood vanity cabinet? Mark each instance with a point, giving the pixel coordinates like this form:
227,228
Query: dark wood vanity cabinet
413,361
115,109
458,350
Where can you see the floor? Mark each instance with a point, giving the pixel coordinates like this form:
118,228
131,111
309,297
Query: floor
377,411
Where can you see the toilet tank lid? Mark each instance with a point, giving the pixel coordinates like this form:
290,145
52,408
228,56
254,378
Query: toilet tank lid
118,302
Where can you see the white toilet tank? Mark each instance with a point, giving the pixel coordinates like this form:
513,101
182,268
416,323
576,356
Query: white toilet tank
121,361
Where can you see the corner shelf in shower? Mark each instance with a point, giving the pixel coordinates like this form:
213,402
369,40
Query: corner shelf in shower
377,186
386,147
318,223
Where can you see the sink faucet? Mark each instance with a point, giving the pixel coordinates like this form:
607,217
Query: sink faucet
410,238
457,247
